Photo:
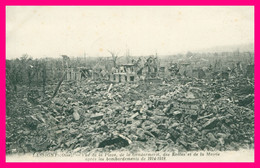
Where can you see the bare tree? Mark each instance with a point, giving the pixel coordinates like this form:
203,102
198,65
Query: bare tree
114,57
44,75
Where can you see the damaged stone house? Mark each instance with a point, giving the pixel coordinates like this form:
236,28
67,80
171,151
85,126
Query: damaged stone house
124,73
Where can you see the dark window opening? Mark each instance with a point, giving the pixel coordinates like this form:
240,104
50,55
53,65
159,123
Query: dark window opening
132,78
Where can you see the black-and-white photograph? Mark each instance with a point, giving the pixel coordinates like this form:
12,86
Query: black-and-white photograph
129,83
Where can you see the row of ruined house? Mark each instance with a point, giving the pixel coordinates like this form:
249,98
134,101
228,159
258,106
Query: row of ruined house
131,73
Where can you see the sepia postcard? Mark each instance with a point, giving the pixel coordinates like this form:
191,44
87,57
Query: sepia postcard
130,84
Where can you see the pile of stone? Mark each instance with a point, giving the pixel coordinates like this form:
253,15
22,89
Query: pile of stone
87,116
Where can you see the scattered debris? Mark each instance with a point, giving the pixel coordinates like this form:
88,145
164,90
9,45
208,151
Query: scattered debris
187,116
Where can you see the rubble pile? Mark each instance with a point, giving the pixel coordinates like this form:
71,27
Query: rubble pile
167,116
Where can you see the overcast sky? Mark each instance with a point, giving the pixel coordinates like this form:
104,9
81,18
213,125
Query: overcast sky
52,31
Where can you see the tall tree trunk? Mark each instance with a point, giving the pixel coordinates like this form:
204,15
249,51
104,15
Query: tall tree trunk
44,76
